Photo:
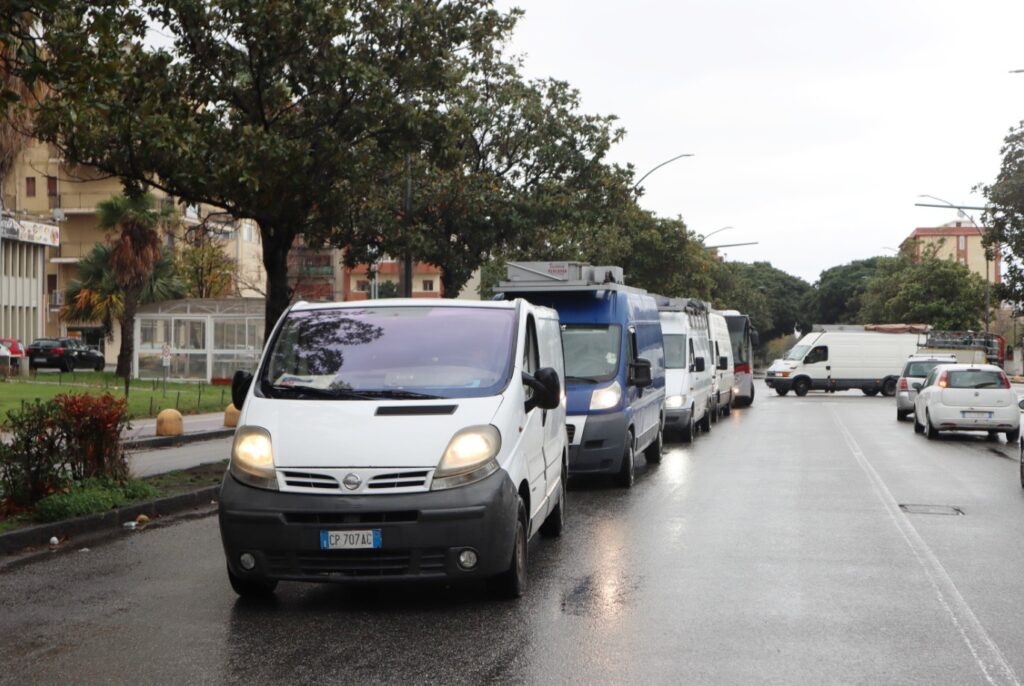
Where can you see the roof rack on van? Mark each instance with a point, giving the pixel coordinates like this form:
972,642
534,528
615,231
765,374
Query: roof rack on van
689,305
569,276
874,328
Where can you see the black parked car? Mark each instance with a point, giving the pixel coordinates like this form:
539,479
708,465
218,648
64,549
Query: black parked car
66,354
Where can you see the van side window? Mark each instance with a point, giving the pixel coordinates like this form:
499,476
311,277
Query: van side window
693,356
818,354
530,357
632,344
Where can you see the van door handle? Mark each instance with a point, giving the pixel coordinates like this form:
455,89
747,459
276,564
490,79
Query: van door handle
828,367
544,418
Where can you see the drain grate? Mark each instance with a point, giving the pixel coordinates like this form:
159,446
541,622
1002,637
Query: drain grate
931,509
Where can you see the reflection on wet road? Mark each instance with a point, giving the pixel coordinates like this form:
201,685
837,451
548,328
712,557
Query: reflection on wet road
759,554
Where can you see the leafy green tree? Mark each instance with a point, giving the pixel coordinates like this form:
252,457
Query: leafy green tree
836,298
1005,216
934,291
204,268
775,299
287,113
96,295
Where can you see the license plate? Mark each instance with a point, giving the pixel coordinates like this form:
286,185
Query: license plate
976,415
350,540
37,360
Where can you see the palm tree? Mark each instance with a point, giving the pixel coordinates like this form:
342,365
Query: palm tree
134,252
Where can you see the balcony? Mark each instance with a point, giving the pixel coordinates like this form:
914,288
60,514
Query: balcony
79,203
71,252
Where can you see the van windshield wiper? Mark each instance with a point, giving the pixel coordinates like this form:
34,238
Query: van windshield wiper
315,392
580,379
398,394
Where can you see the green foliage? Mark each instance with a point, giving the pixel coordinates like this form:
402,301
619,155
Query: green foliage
1005,216
31,463
836,298
776,301
205,270
92,496
91,428
942,293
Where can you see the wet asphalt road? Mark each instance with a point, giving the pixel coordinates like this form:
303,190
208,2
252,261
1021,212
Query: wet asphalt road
771,551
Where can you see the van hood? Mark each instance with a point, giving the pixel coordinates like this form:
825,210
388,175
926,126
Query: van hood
783,366
364,433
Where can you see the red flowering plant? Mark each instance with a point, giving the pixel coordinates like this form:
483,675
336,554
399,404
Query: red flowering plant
91,428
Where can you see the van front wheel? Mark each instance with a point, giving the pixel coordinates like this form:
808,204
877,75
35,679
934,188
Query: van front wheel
512,582
555,523
652,453
801,386
625,476
252,588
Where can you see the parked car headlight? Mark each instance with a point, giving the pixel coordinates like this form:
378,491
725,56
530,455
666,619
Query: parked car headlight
606,398
674,402
252,458
469,457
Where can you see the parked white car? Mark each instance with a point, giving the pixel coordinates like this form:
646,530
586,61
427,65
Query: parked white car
964,397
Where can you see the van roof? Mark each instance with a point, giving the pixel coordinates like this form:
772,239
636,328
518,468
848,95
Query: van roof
406,302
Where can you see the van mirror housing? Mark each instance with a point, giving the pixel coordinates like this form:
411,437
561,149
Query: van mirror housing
723,362
640,373
240,388
698,365
547,389
755,338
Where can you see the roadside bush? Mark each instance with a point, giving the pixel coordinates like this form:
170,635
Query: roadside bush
32,464
91,428
92,496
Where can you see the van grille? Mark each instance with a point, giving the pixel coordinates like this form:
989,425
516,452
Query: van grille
414,479
351,517
358,563
310,480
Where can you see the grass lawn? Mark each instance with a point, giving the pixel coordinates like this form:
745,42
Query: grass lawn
145,398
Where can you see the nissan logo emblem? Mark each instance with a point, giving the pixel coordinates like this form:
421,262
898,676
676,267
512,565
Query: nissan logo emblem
351,481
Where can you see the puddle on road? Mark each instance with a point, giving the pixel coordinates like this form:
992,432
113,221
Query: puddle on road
596,595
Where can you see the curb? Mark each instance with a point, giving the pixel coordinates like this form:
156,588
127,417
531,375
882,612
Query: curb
40,534
168,441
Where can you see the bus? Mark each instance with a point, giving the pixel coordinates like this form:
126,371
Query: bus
744,338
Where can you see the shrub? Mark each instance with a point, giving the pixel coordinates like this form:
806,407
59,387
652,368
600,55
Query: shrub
91,428
91,496
31,462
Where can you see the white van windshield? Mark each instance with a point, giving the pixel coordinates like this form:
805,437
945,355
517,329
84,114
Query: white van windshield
675,351
591,351
391,352
797,352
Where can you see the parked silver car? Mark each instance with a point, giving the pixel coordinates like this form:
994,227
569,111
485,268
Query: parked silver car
914,371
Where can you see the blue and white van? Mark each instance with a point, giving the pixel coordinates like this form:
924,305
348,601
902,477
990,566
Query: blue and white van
614,362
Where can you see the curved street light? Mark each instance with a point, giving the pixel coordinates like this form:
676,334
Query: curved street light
960,212
724,228
657,167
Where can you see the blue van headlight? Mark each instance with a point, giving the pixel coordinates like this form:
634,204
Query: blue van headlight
606,398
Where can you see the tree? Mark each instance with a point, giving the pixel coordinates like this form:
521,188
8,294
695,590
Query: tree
1005,215
775,300
287,113
204,269
836,298
17,41
95,295
942,293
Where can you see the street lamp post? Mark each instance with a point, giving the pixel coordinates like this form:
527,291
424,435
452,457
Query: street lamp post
659,166
724,228
970,218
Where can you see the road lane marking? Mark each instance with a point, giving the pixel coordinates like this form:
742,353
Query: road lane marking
986,653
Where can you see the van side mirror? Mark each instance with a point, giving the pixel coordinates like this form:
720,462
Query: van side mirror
640,373
547,389
755,338
240,388
698,365
723,362
917,386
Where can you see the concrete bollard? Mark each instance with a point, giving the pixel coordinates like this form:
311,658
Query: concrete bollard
231,415
169,423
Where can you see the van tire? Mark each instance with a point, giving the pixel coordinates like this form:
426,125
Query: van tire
252,588
870,392
781,391
714,412
727,410
889,387
705,422
625,476
555,522
652,453
801,386
690,430
511,583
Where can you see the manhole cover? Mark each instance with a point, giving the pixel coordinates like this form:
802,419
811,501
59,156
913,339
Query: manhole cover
931,509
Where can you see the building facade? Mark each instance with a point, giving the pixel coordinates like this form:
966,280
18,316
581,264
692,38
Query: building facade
959,241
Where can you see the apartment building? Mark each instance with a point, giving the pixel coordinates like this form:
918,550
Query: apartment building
960,241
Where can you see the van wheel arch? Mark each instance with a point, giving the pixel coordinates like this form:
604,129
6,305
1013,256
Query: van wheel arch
801,385
524,495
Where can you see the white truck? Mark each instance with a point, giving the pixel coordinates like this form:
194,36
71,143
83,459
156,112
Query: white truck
841,357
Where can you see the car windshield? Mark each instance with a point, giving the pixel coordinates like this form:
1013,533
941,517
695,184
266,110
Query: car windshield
797,352
675,351
974,378
591,351
391,352
921,368
44,343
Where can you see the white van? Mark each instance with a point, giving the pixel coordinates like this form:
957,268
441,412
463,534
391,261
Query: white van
841,357
688,366
723,389
397,439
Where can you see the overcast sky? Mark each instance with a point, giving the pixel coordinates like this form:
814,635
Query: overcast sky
814,123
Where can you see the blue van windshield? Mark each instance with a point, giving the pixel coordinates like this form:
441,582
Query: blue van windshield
591,351
391,352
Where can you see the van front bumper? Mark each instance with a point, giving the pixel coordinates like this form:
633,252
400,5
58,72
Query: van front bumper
779,383
421,534
601,447
678,418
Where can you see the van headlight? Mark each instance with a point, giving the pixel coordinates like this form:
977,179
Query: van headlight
252,458
606,398
674,402
470,456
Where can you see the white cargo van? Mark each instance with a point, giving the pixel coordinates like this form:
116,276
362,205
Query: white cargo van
724,387
397,439
841,357
689,375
